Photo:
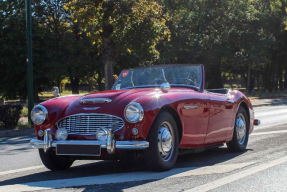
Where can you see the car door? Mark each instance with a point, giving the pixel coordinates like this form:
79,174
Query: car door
194,112
220,117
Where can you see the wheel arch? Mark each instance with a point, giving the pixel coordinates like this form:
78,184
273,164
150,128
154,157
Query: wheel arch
174,113
245,106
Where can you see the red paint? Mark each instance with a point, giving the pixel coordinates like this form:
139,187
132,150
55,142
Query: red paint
210,122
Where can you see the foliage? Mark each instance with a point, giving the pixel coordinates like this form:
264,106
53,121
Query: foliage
121,30
239,42
10,115
24,112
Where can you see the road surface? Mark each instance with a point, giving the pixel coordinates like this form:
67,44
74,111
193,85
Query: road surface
262,167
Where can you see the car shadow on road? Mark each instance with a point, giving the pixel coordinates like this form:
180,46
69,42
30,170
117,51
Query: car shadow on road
106,168
15,140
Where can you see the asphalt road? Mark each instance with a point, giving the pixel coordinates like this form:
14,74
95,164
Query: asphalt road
262,167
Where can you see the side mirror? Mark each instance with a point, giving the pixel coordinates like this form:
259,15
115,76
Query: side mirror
165,87
56,92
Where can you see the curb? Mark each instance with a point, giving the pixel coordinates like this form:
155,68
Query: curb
17,133
269,103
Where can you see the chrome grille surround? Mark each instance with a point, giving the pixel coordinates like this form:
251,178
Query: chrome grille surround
90,123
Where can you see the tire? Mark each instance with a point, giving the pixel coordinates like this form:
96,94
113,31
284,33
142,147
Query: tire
163,143
54,162
241,132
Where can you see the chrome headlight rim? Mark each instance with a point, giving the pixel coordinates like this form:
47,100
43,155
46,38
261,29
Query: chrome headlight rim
141,112
45,111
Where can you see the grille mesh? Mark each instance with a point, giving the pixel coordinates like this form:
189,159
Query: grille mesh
86,124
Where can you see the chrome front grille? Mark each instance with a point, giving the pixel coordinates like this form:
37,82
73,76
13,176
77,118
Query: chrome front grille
87,124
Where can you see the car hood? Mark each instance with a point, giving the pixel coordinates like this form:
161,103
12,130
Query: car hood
106,101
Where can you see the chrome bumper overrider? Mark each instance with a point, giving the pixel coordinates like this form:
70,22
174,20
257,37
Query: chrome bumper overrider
110,144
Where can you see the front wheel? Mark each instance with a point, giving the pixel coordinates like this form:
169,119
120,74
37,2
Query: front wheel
54,162
240,133
163,143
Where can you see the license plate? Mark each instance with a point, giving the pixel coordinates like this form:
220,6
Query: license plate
78,150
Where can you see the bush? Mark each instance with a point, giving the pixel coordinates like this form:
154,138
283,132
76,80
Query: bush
24,112
10,115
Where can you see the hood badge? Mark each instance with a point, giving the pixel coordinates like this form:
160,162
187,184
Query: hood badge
95,100
91,108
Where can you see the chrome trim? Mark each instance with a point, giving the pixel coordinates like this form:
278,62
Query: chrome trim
165,141
110,144
44,110
190,107
91,108
230,101
241,128
47,143
92,129
95,100
165,87
141,112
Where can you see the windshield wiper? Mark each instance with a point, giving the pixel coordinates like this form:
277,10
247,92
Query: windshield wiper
164,75
132,81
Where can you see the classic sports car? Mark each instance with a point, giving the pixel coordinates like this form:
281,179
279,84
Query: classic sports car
155,111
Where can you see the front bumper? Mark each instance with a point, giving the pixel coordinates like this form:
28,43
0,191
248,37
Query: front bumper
110,144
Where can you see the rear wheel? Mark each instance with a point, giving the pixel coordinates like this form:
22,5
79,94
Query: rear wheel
240,133
54,162
163,143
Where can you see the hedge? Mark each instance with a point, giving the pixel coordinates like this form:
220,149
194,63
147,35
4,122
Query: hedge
10,115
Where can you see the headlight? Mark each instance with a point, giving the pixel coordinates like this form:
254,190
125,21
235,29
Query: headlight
39,114
134,112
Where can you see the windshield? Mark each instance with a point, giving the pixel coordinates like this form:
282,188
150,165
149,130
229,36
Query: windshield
175,75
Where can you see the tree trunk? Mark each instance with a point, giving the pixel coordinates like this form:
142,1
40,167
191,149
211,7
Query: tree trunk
214,77
258,84
280,75
75,85
285,78
99,80
109,71
108,55
36,92
248,87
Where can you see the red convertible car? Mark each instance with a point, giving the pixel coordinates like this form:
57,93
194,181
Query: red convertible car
156,111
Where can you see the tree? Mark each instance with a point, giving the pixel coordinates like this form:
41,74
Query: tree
121,27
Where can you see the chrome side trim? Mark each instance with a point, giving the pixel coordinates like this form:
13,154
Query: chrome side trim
95,100
190,107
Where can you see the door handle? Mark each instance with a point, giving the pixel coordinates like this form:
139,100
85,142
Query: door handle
230,101
190,107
